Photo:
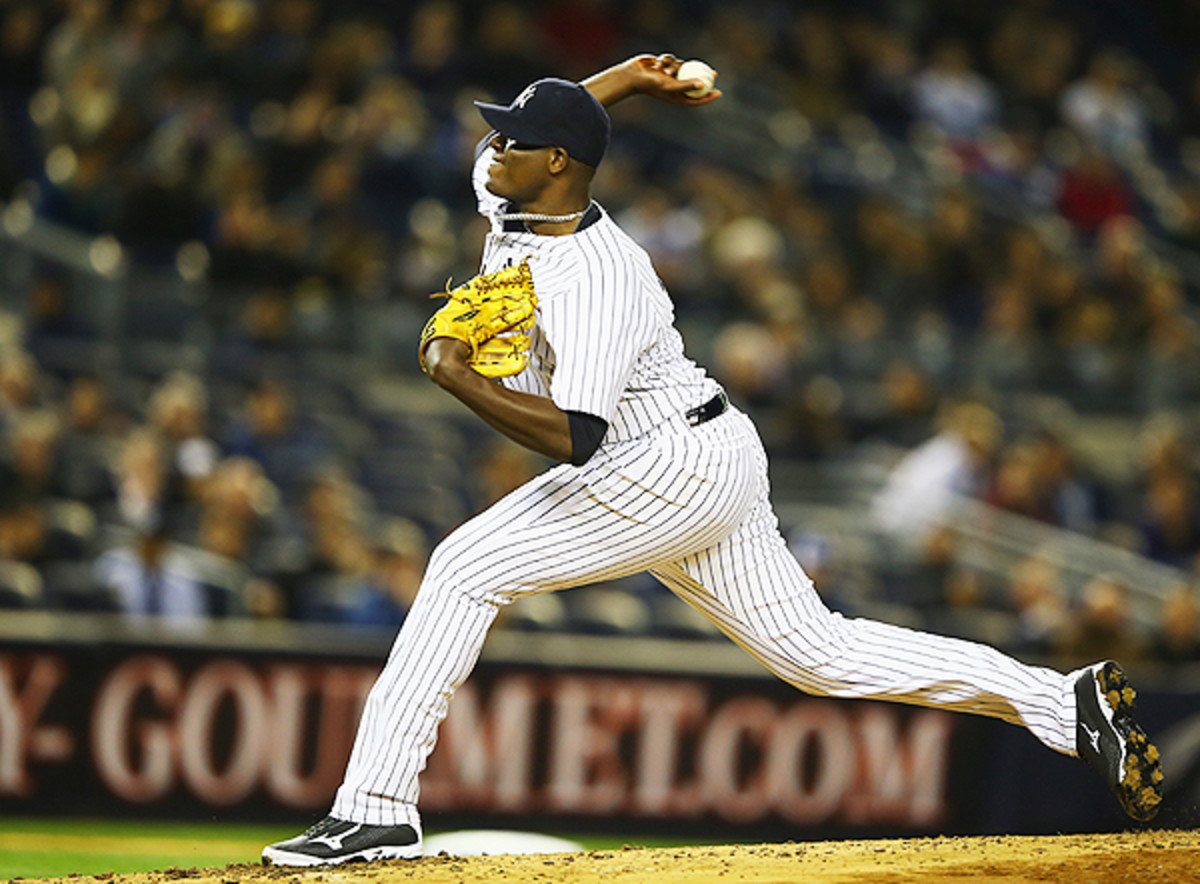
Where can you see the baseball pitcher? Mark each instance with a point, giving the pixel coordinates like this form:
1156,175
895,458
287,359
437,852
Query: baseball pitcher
565,343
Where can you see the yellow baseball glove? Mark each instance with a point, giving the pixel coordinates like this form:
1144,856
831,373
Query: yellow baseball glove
492,314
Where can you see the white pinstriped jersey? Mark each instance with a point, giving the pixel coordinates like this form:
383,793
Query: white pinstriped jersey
604,343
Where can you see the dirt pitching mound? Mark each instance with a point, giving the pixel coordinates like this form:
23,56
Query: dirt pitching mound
1153,857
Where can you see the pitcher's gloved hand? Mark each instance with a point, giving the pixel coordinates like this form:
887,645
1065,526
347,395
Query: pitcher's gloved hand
492,314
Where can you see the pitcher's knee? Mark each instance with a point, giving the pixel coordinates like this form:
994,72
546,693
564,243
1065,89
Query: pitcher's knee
467,574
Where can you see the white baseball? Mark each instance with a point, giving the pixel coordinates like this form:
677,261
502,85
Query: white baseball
694,69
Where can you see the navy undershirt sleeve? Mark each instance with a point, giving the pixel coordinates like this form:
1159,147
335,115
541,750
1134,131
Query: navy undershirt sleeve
587,431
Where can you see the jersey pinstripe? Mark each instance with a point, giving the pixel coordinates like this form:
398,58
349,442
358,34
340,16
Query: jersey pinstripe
688,503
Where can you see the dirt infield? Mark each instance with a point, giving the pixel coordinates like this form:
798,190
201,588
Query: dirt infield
1154,857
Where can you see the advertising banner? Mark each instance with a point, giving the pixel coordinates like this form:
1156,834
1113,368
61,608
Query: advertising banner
194,732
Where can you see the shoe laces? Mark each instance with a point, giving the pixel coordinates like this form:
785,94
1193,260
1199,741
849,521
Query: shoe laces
321,826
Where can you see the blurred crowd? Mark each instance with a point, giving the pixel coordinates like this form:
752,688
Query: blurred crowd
907,223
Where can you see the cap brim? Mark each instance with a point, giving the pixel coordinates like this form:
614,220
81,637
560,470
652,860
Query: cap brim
507,124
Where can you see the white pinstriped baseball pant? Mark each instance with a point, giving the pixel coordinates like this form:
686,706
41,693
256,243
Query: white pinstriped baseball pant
691,506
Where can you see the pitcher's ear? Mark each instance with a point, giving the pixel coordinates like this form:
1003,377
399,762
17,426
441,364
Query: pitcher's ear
558,159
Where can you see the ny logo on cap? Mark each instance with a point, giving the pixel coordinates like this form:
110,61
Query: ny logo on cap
523,99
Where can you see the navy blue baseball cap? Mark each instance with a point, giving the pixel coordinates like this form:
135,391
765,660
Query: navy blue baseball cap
554,113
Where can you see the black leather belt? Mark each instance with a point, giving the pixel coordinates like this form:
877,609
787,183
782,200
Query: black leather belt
714,407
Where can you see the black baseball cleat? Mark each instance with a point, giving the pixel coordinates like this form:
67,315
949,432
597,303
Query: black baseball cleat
1109,739
333,841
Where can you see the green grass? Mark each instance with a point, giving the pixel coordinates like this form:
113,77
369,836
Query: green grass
31,848
53,848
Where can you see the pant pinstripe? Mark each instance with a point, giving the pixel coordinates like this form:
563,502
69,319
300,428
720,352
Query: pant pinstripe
691,507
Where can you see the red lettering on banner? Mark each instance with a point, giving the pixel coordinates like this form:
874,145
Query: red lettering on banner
724,787
23,737
342,691
902,780
811,762
213,683
666,709
586,771
484,756
116,731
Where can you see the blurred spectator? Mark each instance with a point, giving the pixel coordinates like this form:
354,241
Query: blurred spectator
923,577
1090,362
821,67
1037,477
394,125
178,411
385,593
20,386
289,446
1093,190
286,42
1103,107
435,57
1070,491
1170,523
81,190
32,457
29,535
960,257
1033,51
263,343
23,32
89,441
922,488
964,608
1121,257
1006,358
747,251
829,288
299,146
1177,639
236,511
145,46
264,599
953,96
583,34
1101,624
1037,598
148,578
750,362
1164,450
53,323
331,544
345,579
671,233
895,269
905,412
1172,343
504,467
83,33
887,61
227,52
1016,485
509,49
140,477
